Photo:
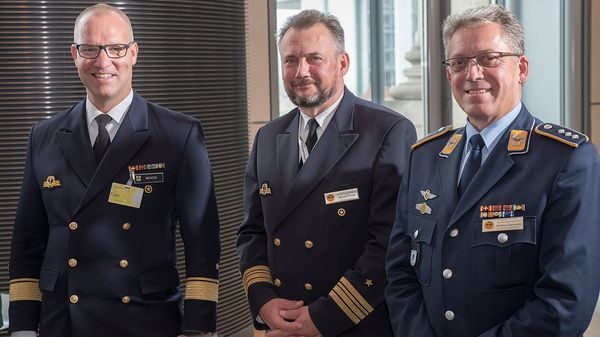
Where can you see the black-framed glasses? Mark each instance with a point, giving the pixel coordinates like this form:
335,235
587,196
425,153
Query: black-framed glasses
114,51
487,60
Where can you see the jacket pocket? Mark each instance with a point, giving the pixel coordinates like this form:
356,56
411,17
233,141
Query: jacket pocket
421,232
48,280
505,259
159,284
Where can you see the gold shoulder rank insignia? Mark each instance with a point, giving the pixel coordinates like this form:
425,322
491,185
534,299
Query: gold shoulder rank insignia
562,134
432,135
51,182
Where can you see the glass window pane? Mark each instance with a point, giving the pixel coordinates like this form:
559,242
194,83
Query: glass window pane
402,58
354,17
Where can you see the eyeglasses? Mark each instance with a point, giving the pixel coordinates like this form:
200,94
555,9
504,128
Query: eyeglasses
92,51
486,60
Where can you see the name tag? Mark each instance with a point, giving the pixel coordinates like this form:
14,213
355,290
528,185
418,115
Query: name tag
149,178
502,224
341,196
126,195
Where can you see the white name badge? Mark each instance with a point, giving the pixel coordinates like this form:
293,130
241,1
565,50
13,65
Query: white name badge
126,195
502,224
341,196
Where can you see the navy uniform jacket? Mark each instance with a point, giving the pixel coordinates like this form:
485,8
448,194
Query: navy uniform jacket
295,244
81,266
475,273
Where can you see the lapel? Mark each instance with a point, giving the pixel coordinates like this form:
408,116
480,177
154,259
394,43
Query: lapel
74,140
331,147
448,171
494,168
287,151
132,134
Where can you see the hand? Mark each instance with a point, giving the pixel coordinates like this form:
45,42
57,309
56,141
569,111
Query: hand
271,311
302,316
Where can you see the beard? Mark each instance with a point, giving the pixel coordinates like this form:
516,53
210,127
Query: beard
309,101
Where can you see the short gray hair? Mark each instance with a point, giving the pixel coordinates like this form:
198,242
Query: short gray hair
98,8
473,17
310,17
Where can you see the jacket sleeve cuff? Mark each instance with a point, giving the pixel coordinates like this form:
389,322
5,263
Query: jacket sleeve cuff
24,315
199,315
342,309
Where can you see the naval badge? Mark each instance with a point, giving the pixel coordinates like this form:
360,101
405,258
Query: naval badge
265,189
423,208
51,182
427,195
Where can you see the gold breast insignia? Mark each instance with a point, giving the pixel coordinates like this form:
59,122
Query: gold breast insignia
51,182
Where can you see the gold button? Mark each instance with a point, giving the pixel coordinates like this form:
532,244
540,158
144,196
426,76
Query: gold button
73,225
308,286
126,299
308,244
72,262
277,242
126,226
73,299
277,282
123,263
341,212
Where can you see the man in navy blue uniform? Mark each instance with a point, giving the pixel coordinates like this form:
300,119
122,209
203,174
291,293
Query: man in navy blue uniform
320,193
497,227
105,184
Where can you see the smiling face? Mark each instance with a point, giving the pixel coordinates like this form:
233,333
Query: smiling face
312,68
107,81
486,94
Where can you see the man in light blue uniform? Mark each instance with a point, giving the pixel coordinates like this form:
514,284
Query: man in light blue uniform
496,232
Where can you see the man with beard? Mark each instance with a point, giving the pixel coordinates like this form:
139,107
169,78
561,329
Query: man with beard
321,186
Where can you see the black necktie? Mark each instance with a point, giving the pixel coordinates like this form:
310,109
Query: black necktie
473,163
311,140
103,140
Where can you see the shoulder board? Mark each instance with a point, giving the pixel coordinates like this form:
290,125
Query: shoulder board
437,133
562,134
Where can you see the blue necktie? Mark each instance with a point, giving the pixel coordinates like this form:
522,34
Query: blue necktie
473,163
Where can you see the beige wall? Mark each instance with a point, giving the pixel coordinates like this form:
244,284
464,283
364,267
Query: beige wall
257,63
595,72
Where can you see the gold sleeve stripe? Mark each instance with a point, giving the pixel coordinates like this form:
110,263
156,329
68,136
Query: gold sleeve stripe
350,301
356,305
356,294
24,289
344,307
257,274
202,288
